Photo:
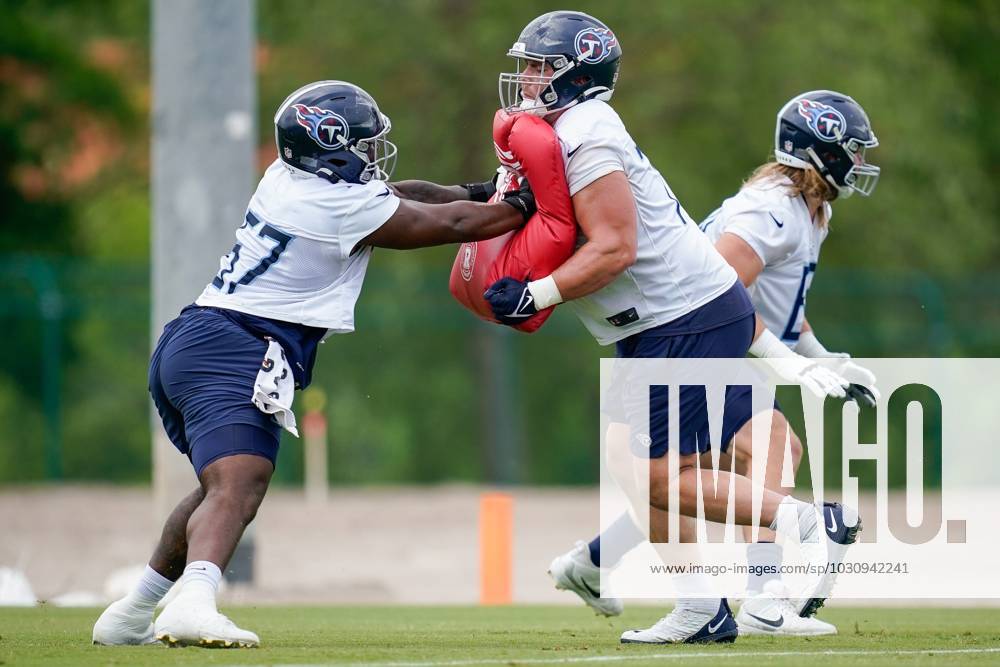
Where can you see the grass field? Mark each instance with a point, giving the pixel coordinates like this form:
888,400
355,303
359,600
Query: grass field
432,636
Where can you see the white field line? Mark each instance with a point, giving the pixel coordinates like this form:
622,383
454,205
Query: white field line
650,656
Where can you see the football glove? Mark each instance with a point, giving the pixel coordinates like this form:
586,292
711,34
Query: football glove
859,376
523,200
482,192
798,369
511,301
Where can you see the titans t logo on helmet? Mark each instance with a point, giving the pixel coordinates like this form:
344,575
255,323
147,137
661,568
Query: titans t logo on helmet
325,127
594,44
826,122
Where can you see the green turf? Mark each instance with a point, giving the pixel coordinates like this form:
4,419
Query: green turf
506,635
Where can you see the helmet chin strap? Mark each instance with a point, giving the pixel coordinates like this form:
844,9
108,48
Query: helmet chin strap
531,105
817,164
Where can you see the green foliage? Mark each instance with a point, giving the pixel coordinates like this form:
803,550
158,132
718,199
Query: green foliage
700,85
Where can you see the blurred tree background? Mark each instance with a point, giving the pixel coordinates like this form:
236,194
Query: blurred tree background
911,271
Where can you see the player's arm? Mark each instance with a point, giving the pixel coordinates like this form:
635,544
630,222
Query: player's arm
605,211
741,257
791,366
432,193
809,345
418,225
429,193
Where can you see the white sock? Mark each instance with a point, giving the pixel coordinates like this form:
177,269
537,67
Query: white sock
796,519
695,592
763,561
148,592
202,577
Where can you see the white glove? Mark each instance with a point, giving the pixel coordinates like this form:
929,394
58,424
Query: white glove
810,346
795,368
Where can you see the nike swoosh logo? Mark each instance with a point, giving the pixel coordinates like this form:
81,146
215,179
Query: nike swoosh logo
780,225
526,300
570,154
383,194
766,621
713,628
833,528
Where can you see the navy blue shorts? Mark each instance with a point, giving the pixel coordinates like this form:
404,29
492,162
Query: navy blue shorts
201,378
731,340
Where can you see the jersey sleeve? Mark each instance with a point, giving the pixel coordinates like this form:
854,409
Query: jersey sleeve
363,213
764,230
592,138
591,161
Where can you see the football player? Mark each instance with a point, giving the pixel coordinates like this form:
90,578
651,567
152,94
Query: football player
771,232
646,279
223,372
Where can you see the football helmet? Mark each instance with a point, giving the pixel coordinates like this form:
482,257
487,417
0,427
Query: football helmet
583,55
828,132
335,130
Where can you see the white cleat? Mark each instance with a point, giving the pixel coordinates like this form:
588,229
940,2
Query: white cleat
823,543
686,626
573,571
772,613
122,625
191,620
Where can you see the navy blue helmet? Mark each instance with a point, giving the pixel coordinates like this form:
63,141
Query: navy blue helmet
335,130
828,132
583,55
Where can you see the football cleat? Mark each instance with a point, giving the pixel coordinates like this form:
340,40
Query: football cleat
573,571
772,613
192,620
121,624
685,626
841,525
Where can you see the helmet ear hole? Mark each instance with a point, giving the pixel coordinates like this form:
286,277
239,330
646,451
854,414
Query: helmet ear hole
582,80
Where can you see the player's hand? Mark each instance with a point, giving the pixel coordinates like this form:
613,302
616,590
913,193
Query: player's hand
821,381
862,388
862,379
854,372
511,301
523,200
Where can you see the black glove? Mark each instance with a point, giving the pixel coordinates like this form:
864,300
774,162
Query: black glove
510,301
861,395
523,200
482,192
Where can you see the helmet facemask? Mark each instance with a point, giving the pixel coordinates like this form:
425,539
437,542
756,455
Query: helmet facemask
861,177
511,84
378,154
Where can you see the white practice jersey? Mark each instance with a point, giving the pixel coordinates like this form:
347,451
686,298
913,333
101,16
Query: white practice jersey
780,230
292,260
676,269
